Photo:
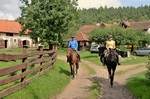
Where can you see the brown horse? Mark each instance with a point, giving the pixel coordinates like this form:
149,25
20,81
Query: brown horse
73,61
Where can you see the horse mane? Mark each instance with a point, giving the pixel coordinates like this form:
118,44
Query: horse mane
112,57
72,55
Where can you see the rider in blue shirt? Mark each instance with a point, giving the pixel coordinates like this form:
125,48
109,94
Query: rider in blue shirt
74,45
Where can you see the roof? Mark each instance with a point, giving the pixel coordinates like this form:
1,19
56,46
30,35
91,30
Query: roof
81,37
138,25
106,25
7,26
87,28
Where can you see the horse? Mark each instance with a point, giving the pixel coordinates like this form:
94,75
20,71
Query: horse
73,60
111,63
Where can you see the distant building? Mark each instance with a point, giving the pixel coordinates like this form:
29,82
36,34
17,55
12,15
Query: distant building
82,38
143,25
88,28
83,41
9,35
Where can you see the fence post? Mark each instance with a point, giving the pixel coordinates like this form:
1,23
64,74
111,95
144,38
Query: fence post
41,50
24,60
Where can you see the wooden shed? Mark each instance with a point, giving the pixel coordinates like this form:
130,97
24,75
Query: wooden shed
83,41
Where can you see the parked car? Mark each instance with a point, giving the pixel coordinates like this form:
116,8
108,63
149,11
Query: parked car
95,48
142,51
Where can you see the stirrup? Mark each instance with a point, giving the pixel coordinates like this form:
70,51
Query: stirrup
104,64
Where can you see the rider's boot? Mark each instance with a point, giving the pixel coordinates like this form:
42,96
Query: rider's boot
118,60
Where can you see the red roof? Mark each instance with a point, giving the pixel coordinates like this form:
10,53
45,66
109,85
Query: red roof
7,26
138,25
106,25
81,37
87,28
127,23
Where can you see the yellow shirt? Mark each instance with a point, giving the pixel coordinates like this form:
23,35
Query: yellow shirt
110,44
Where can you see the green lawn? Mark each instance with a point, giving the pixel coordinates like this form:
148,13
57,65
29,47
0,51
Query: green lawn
53,82
139,85
86,55
47,85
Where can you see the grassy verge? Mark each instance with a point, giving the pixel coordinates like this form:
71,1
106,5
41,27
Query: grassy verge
89,69
134,60
86,55
45,86
139,85
123,71
94,90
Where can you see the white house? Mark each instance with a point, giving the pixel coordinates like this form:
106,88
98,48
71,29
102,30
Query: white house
9,35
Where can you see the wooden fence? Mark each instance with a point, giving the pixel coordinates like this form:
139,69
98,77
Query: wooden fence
31,66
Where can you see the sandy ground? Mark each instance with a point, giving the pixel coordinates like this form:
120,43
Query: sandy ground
79,87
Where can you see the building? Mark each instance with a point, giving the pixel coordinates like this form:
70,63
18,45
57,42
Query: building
83,41
82,38
10,37
143,25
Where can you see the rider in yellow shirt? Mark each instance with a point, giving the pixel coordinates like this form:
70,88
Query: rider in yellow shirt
110,44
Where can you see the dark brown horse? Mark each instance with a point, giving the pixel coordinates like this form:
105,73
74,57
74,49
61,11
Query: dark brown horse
73,61
111,63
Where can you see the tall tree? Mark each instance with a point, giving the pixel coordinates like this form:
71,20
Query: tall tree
47,19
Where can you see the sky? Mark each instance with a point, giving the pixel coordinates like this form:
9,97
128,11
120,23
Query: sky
9,9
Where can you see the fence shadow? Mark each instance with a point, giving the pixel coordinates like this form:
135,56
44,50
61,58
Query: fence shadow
63,71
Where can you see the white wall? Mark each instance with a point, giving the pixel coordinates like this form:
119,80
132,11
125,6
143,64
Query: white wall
13,40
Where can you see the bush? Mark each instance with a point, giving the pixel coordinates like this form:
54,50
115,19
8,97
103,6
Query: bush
148,72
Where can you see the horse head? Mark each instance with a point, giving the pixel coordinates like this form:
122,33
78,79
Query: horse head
112,57
69,51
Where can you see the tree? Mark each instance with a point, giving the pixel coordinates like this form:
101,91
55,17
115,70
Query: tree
121,35
47,19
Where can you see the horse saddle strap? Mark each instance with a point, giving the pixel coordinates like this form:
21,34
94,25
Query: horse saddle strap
75,52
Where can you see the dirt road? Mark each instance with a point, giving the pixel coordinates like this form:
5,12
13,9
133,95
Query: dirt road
79,87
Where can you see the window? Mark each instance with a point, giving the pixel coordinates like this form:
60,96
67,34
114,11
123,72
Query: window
9,34
14,40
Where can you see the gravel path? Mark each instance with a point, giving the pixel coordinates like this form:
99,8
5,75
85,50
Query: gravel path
79,87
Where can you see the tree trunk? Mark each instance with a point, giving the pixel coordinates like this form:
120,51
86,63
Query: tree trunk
51,46
132,48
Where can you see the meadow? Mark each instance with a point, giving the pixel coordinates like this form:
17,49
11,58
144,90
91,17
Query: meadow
54,81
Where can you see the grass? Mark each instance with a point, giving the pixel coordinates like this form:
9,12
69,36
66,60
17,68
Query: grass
134,60
123,71
45,86
86,55
54,81
89,69
139,85
94,90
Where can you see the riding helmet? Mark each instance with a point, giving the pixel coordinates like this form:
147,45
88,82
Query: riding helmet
110,36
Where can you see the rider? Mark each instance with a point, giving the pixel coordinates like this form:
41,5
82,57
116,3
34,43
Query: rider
73,44
110,44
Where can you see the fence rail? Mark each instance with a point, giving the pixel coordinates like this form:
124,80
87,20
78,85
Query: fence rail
44,61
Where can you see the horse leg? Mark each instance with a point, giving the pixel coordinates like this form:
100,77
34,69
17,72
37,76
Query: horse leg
77,67
71,69
74,69
112,77
109,72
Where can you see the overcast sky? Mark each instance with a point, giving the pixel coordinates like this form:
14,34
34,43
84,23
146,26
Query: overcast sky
9,9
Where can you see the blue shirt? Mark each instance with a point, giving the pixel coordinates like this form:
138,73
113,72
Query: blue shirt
73,44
